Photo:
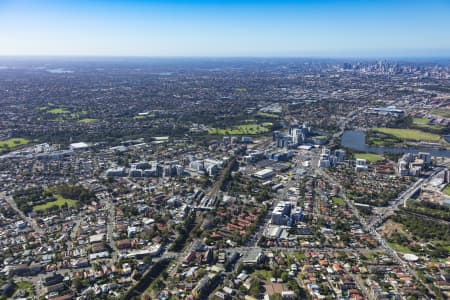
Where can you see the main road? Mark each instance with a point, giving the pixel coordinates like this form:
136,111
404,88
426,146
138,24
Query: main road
402,199
29,220
405,266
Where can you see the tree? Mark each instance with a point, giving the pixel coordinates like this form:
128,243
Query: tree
90,295
76,283
284,276
255,288
276,296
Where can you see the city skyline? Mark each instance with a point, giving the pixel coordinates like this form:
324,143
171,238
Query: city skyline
225,28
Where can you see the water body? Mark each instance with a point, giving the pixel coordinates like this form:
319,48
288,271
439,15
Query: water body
356,140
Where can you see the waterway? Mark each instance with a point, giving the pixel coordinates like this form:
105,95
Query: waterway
356,140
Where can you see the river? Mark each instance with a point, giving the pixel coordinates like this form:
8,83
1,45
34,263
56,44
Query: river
356,140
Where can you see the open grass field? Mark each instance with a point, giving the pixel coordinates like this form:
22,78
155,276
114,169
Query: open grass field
423,123
378,143
432,127
384,140
370,255
370,157
248,129
265,275
321,137
299,255
60,201
250,121
13,143
442,112
447,190
25,285
57,111
399,248
420,121
338,201
267,115
409,134
390,227
87,120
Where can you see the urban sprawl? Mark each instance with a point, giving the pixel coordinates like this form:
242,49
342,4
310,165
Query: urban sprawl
224,179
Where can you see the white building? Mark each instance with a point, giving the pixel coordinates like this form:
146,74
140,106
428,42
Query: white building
403,168
281,213
78,146
264,173
361,165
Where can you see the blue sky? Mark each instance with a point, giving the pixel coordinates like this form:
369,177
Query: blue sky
321,28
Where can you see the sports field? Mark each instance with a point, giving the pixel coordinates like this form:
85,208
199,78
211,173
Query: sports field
60,201
87,120
249,129
267,115
57,111
409,134
338,201
444,112
370,157
420,121
13,143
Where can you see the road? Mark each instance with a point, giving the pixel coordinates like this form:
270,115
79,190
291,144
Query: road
282,195
344,196
75,229
297,249
110,223
402,199
362,287
405,266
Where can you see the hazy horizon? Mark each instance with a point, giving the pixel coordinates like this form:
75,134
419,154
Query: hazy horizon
208,28
212,57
